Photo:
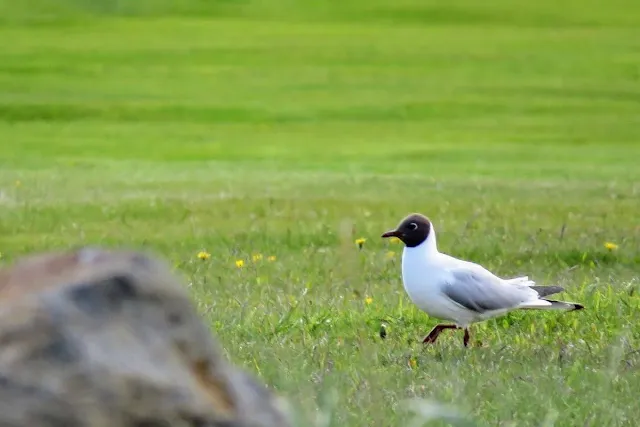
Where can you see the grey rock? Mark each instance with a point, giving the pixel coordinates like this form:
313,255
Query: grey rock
94,337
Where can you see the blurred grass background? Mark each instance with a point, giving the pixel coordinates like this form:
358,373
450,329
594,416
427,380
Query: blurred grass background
257,129
496,12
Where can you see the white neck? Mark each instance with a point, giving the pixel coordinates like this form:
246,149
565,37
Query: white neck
426,249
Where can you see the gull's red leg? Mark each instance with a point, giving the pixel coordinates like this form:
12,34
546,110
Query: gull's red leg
466,337
435,332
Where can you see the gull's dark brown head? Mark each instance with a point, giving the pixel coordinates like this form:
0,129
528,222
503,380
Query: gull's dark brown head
413,230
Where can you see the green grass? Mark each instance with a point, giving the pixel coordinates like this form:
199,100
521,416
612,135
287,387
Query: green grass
288,130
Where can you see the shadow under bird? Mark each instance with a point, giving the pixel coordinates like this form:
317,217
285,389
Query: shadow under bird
460,291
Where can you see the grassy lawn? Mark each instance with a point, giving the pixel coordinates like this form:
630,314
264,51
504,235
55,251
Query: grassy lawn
274,135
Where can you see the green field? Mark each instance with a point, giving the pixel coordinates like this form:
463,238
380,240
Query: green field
276,134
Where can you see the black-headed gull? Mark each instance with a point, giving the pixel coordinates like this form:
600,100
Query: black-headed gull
459,291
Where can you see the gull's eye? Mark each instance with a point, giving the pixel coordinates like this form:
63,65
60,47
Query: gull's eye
413,226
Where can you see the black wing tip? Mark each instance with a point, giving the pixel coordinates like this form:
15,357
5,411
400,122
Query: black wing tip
577,307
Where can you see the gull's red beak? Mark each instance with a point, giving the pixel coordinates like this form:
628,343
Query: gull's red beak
392,233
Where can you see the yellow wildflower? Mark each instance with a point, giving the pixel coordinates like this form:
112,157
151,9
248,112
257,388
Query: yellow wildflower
412,363
391,254
203,255
256,257
271,258
394,240
239,263
368,300
611,246
360,242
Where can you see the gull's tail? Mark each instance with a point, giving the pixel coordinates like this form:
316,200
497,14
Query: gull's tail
542,291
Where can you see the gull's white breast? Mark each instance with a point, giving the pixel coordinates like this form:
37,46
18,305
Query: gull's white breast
423,278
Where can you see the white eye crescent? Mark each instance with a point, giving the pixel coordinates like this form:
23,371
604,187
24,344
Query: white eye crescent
413,226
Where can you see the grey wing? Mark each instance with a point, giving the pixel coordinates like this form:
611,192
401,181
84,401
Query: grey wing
481,291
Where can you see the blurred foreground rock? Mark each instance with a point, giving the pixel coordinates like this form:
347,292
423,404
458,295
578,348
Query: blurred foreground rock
110,338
